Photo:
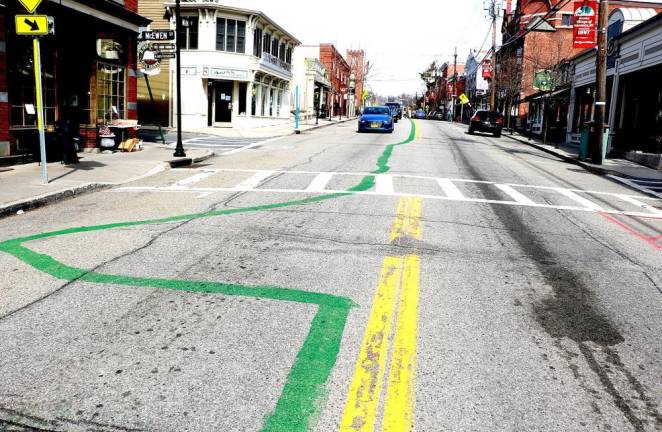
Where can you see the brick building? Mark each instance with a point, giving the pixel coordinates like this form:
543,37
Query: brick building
338,71
357,65
88,73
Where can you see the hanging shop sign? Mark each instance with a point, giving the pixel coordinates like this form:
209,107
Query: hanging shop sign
583,28
148,63
542,80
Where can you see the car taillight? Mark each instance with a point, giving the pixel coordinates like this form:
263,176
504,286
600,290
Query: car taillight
474,118
499,121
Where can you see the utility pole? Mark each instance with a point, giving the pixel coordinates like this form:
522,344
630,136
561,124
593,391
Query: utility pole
493,14
600,83
454,95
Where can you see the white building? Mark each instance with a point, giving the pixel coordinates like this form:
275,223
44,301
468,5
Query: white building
312,80
236,67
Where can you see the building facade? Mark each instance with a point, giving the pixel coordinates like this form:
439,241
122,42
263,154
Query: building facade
339,72
357,65
311,79
634,87
476,75
236,67
88,73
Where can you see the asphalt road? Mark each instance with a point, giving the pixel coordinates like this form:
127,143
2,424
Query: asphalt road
334,281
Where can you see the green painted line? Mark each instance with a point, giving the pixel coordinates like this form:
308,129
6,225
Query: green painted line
299,403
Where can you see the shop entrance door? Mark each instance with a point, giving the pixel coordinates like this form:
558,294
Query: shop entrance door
223,101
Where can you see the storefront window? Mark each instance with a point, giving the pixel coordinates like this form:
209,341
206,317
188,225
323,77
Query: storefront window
22,98
111,96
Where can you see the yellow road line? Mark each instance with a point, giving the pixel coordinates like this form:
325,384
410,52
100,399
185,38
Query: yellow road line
419,131
407,219
399,277
399,407
363,400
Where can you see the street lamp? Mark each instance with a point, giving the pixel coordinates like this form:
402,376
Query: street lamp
179,149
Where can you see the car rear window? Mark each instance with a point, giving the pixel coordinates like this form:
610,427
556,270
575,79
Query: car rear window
376,110
488,115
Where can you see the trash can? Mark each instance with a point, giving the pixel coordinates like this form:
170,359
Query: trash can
584,141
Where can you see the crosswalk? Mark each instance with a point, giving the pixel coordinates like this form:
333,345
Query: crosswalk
649,186
204,182
225,145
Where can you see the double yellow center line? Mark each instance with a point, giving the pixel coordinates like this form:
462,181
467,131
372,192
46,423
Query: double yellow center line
398,286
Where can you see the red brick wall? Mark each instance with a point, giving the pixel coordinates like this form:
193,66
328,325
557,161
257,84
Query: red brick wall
132,82
4,106
131,5
334,64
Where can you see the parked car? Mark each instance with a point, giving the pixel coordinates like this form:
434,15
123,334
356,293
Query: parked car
419,114
396,109
376,118
438,115
486,121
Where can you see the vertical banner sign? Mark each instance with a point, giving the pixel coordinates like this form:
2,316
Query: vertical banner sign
583,29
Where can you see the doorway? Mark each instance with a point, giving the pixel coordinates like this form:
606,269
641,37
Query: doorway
222,93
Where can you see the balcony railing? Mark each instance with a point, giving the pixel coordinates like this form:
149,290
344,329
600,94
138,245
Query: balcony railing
275,61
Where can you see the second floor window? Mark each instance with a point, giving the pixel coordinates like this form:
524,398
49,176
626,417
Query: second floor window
288,56
266,43
257,42
274,47
188,34
281,52
230,35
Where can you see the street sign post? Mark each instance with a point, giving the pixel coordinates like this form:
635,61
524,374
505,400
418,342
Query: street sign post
31,25
35,26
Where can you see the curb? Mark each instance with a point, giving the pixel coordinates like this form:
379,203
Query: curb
324,125
180,162
43,200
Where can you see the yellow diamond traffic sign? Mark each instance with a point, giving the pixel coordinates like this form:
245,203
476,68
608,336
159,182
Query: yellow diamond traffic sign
32,25
30,5
463,99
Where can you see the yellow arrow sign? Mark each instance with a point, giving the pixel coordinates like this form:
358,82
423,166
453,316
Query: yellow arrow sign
463,99
31,25
30,5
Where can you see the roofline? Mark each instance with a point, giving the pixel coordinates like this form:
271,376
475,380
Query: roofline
641,26
214,5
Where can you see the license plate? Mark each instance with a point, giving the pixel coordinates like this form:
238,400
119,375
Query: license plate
375,124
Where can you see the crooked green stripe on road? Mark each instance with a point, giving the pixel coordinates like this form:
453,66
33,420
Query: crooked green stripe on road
296,407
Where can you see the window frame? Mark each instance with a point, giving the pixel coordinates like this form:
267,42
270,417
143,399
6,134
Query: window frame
257,41
100,109
186,31
563,15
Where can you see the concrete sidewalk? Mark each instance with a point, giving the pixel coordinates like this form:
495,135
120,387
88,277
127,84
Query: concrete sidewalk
264,132
21,187
637,176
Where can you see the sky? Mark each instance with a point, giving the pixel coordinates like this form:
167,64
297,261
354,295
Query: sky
401,38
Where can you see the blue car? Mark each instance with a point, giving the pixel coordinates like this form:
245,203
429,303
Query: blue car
420,114
376,118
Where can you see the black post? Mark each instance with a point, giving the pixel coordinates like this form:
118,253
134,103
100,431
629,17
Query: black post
179,150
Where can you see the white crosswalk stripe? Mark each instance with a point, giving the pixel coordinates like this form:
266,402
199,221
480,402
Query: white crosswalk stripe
387,185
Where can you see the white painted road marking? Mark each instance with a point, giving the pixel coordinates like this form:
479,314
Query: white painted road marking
518,197
319,182
638,206
579,199
253,181
384,184
450,189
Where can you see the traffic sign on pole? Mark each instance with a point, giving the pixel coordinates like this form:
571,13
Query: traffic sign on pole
30,5
31,25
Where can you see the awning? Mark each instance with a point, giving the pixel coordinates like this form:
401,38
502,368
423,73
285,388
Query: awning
108,11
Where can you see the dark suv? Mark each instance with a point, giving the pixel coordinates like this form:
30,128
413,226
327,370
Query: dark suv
486,121
396,110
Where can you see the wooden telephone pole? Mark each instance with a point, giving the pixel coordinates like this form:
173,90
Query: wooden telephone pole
600,83
493,14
